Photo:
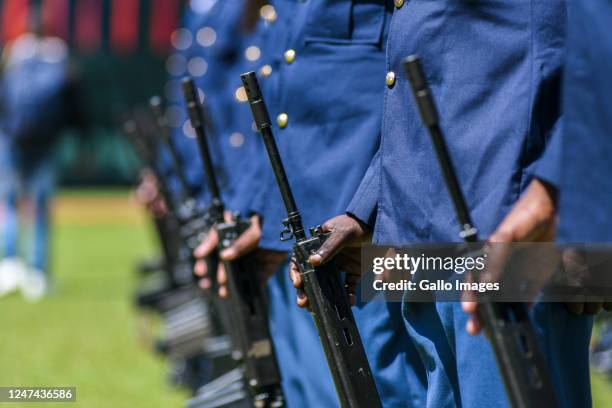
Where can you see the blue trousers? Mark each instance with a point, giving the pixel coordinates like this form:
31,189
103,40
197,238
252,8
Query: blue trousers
462,371
397,369
32,176
306,380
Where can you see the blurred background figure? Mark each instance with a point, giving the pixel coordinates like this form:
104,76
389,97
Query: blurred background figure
34,107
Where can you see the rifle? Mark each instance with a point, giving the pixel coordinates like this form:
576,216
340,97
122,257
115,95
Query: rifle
509,329
167,226
194,222
245,283
164,225
196,322
329,306
194,225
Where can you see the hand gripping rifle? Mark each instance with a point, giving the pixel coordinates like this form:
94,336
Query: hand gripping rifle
507,325
245,283
328,303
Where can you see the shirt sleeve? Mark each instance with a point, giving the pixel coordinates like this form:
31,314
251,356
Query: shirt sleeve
548,167
364,204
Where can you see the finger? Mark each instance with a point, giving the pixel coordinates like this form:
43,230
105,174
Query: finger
204,283
497,253
302,300
592,308
295,276
221,275
200,268
208,245
244,244
352,253
575,308
223,292
348,264
469,307
473,326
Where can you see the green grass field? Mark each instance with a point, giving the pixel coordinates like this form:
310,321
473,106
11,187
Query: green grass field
88,334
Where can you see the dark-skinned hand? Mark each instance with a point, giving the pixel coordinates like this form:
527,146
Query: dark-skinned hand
342,248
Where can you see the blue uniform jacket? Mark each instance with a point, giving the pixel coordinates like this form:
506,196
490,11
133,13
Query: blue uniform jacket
209,49
586,147
494,69
241,146
328,79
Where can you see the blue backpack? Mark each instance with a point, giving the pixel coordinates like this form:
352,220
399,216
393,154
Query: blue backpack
34,100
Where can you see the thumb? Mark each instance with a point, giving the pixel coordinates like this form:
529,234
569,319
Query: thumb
332,245
245,243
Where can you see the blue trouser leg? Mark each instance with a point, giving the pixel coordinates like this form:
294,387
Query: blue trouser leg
396,366
426,328
284,337
11,225
41,232
40,184
476,382
565,339
307,380
480,383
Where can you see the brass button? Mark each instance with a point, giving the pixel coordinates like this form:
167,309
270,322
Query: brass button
252,53
390,79
236,139
289,56
265,71
398,3
240,94
268,13
282,120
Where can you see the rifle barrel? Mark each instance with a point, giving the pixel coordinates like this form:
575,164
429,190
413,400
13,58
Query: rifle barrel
161,121
263,123
196,116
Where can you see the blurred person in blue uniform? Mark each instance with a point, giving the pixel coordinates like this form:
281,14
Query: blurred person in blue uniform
321,78
240,154
215,49
35,90
495,70
185,60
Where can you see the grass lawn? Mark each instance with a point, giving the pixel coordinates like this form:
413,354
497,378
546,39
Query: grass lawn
88,334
